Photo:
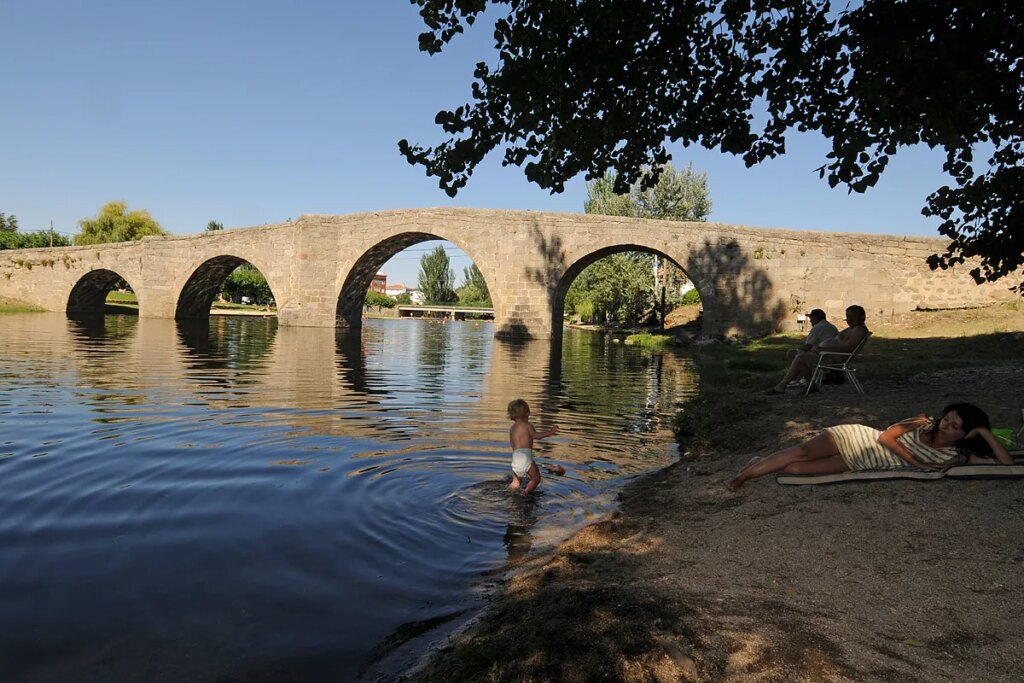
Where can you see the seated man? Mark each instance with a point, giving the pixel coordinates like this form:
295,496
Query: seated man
846,341
821,329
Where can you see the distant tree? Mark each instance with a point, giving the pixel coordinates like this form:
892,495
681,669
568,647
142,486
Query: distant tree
378,300
403,299
10,239
213,226
473,291
114,223
436,279
246,280
674,196
872,77
603,200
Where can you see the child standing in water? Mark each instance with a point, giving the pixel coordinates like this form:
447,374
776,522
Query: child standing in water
520,436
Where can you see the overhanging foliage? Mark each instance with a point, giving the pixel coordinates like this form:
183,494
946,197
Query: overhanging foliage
583,86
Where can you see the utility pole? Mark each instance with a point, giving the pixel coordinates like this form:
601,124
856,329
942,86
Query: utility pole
664,289
51,232
661,263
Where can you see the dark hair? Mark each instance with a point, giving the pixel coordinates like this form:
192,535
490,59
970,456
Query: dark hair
817,313
858,313
971,416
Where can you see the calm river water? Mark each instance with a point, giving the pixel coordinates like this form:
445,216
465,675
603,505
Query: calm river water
236,501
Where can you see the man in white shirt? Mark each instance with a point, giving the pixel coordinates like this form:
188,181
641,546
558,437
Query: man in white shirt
821,329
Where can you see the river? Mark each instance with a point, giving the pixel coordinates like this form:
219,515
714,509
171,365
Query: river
238,501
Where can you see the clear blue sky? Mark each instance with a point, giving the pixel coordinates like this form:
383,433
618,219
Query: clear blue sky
256,111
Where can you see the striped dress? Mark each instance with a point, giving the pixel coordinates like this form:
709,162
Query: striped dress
859,447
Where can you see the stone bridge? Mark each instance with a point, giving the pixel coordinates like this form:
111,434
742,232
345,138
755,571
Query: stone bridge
751,280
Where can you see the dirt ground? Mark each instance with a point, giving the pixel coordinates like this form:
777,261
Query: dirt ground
881,581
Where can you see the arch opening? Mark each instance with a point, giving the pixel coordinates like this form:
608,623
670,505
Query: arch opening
230,282
626,286
395,276
89,295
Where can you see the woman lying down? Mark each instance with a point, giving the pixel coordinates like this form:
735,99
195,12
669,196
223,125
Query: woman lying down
961,435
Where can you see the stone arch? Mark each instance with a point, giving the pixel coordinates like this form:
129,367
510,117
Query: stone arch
89,295
353,292
349,310
197,295
581,263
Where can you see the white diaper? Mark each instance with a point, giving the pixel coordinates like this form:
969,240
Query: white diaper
522,458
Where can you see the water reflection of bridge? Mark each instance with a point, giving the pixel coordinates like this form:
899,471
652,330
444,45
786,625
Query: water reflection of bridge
451,312
325,382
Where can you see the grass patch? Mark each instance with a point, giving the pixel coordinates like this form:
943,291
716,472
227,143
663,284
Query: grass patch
645,340
253,308
122,298
129,299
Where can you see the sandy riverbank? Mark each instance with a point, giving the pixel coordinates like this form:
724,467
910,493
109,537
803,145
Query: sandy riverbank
885,581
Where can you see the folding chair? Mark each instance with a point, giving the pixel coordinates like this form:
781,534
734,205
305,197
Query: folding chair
838,361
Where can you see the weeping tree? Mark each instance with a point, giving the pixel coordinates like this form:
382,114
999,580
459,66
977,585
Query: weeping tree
436,279
115,223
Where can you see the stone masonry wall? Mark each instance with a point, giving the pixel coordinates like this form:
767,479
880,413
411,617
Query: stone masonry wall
751,280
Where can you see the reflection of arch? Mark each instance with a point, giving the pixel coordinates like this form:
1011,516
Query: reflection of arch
89,295
352,361
100,345
197,295
195,336
88,329
215,344
574,269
